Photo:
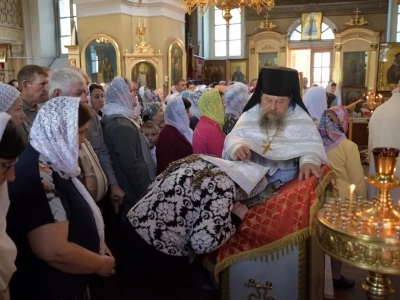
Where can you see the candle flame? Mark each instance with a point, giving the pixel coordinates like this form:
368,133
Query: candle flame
352,188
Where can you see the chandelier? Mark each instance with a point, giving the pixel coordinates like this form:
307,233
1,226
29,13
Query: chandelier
226,6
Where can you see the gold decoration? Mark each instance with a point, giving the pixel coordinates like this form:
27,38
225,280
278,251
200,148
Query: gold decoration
261,290
267,24
226,6
366,234
142,47
357,20
102,39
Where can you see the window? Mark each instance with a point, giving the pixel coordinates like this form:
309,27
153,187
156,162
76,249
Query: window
321,68
67,15
228,40
95,60
326,33
398,25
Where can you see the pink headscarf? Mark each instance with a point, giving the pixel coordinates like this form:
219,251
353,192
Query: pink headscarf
333,126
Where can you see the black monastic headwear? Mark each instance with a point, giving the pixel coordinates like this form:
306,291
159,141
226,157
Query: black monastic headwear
277,81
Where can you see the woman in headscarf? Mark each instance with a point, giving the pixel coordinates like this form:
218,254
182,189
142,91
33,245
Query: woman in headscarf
235,98
129,150
194,109
175,139
11,146
11,103
54,222
316,102
344,160
208,137
332,88
154,112
190,208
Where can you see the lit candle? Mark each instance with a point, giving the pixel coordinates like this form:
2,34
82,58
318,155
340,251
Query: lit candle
352,188
139,23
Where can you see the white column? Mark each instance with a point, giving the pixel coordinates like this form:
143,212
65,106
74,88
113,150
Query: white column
391,24
40,32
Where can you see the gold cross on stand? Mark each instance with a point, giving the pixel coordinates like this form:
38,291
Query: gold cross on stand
267,148
357,12
266,17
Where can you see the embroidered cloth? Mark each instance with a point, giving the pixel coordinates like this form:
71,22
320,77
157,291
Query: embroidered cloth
282,221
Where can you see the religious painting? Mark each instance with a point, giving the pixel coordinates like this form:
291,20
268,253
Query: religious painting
3,77
214,71
101,59
389,67
311,26
177,61
3,52
352,94
198,68
144,74
237,70
269,59
354,68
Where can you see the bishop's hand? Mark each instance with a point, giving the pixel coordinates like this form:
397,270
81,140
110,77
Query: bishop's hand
242,153
307,170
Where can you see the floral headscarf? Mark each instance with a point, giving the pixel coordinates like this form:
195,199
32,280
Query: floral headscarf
194,99
333,126
8,95
210,105
151,109
235,98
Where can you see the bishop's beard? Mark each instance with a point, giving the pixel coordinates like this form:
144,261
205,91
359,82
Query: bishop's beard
270,120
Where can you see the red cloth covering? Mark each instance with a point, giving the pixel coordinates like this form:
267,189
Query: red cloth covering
267,225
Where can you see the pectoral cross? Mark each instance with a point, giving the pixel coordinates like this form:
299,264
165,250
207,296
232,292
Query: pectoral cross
267,148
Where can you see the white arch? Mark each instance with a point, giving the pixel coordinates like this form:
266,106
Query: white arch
324,20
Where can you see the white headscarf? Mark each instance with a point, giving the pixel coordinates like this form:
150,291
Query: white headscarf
8,251
315,102
119,100
176,116
8,95
194,98
235,97
336,93
54,134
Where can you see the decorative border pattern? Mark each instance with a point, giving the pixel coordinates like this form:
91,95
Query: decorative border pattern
328,9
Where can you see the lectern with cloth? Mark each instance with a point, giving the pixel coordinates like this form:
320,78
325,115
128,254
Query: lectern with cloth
273,253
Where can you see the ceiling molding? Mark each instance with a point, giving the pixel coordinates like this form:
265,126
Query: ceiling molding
284,8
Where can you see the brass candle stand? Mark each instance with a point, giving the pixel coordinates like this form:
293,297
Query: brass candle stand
366,234
142,47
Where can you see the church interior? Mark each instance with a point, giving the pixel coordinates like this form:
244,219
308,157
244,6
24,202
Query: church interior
354,44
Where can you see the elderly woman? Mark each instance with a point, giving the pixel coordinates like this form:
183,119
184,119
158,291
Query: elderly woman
208,137
316,102
190,208
154,112
53,220
235,98
11,103
11,146
194,109
175,139
128,148
344,160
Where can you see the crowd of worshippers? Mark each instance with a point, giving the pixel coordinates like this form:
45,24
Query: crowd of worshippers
118,182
